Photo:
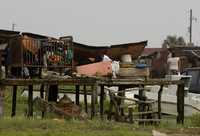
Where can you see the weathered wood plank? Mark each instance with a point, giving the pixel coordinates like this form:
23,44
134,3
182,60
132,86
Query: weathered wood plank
69,81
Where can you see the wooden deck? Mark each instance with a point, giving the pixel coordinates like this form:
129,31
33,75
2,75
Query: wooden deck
95,83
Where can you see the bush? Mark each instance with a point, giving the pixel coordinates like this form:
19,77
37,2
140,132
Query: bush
195,120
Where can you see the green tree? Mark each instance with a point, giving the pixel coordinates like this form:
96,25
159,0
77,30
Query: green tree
173,41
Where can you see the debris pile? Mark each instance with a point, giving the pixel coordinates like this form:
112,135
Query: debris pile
64,108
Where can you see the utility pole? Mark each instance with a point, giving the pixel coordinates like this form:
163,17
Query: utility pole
192,18
190,28
13,26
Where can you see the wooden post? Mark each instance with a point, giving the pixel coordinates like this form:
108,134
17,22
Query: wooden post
77,94
141,106
30,100
1,100
102,101
130,114
93,100
53,93
14,100
85,98
42,96
180,104
110,110
159,101
121,101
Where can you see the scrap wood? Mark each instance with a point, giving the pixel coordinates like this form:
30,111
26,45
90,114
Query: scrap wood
66,110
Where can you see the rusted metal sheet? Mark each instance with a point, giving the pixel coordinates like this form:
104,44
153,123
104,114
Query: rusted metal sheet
83,52
95,69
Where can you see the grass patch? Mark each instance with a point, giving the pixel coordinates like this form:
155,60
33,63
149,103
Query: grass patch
36,127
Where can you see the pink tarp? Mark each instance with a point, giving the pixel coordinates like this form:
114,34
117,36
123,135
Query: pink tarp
96,69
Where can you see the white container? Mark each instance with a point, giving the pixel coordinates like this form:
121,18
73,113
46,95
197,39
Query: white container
126,58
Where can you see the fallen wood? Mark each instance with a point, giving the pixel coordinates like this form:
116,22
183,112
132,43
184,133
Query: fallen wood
64,108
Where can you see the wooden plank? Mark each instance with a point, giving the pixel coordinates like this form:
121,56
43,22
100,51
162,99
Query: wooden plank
135,100
77,94
30,101
180,104
133,82
159,101
14,101
68,81
102,102
85,98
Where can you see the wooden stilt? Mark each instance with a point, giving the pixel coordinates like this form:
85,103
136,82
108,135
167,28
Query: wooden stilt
141,106
159,101
53,93
1,101
14,100
102,101
85,98
130,114
93,100
42,96
180,104
110,110
30,100
77,94
121,101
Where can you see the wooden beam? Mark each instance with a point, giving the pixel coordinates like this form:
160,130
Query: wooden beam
30,101
14,101
159,101
180,104
77,94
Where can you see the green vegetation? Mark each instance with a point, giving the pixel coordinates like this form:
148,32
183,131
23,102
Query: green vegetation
36,127
53,126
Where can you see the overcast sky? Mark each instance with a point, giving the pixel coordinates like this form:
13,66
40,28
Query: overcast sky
103,22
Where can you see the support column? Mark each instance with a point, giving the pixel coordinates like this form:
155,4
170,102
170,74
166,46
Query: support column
141,106
1,100
14,100
85,98
30,100
53,93
42,96
180,104
93,99
159,101
120,101
77,94
102,101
